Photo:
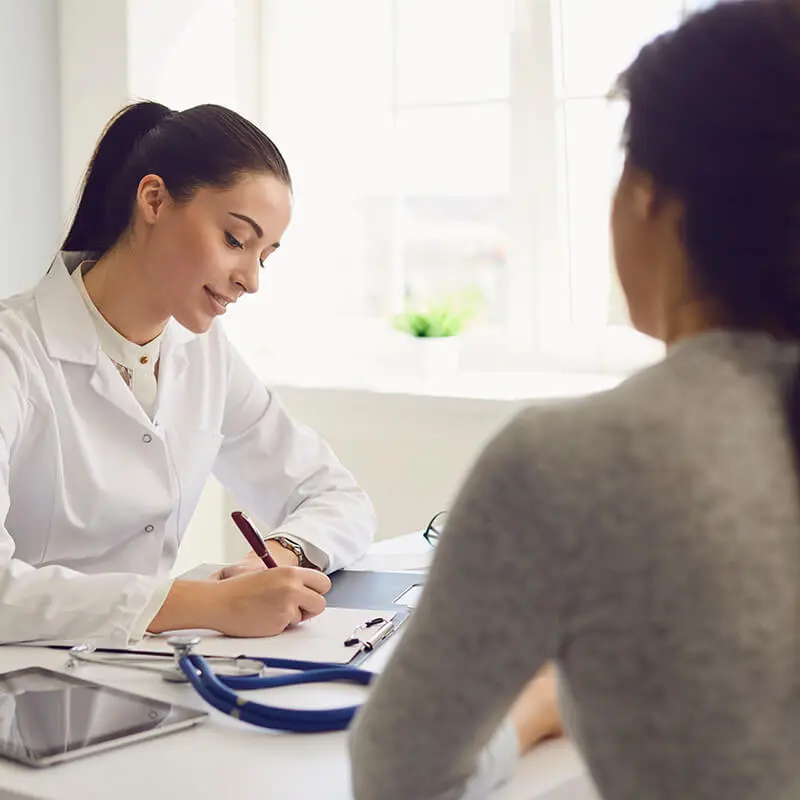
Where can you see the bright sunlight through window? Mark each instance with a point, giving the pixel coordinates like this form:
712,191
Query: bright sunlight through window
446,145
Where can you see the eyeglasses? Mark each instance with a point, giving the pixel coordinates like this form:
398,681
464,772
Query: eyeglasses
434,528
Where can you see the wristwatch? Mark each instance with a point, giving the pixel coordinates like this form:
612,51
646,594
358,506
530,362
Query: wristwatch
291,544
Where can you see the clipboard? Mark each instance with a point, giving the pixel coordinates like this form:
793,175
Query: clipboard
343,636
369,589
395,593
353,588
372,642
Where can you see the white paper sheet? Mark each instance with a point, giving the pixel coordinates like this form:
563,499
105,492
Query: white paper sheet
411,596
394,562
318,639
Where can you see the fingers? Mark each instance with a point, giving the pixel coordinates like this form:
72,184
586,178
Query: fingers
315,580
294,615
243,567
310,594
232,571
267,601
311,603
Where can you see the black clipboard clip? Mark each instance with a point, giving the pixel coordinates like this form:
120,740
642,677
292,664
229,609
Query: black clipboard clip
370,635
375,631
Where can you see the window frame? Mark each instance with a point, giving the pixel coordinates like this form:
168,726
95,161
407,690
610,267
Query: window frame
539,333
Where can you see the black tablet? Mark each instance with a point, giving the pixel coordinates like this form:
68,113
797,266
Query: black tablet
47,717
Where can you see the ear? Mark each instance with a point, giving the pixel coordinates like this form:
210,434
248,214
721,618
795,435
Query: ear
151,196
645,195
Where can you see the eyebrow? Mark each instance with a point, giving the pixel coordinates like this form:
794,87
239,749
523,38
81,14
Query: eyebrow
256,227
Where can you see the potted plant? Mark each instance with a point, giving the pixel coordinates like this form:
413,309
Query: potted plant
434,327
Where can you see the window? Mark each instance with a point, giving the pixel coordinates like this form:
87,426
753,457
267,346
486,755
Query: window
594,43
440,145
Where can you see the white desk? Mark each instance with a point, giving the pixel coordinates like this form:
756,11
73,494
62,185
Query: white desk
222,757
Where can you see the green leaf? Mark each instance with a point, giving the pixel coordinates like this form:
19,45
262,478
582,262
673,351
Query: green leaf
446,316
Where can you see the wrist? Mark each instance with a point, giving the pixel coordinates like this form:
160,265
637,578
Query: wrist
284,556
291,545
535,712
190,604
530,731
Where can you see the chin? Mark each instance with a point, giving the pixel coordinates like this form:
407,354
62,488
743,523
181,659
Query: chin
647,327
196,323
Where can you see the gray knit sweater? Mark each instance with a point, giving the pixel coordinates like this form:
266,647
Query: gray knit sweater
648,540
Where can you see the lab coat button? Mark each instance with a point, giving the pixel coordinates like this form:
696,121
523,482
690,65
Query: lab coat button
147,438
148,528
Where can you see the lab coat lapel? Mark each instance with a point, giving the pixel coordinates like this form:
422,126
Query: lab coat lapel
67,328
171,369
110,385
69,334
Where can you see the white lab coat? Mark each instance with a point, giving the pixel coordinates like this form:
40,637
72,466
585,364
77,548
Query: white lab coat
96,497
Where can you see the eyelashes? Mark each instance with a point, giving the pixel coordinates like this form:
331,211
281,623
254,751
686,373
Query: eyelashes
233,242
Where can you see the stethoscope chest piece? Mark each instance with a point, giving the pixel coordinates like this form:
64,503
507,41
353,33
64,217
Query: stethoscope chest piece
167,665
181,647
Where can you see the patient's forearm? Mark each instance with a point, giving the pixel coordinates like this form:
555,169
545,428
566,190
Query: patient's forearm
535,712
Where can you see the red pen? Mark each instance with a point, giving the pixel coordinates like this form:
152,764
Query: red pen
254,538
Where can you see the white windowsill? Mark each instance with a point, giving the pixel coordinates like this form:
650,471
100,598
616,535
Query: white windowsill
371,358
467,385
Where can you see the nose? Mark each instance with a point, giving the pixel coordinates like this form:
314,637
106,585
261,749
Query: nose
246,278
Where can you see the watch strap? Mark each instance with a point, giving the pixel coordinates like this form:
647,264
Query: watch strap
296,548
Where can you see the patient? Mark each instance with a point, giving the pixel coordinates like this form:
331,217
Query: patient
647,539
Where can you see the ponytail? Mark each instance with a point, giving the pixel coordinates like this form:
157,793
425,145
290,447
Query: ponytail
101,217
207,145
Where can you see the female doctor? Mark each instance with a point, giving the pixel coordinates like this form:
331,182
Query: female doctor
120,395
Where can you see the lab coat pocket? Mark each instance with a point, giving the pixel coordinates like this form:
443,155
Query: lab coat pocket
193,454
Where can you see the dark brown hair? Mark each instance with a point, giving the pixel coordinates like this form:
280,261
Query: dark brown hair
714,118
207,145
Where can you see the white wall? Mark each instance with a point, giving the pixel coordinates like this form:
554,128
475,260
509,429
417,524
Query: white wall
177,52
30,154
410,453
94,85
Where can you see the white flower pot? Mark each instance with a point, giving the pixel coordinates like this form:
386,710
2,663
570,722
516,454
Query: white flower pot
436,358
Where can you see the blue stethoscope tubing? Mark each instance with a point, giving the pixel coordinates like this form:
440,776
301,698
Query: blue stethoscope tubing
218,691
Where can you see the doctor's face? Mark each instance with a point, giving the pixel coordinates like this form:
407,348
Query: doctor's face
205,253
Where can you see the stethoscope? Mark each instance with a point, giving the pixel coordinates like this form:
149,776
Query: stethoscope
217,679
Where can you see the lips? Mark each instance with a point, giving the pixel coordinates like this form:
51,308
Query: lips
220,301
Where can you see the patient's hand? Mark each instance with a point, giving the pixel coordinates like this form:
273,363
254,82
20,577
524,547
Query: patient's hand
535,712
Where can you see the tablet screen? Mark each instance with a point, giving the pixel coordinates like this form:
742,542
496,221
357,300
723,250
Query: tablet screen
45,715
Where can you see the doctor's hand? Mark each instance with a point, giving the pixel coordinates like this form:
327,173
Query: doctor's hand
266,602
262,603
535,712
252,563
